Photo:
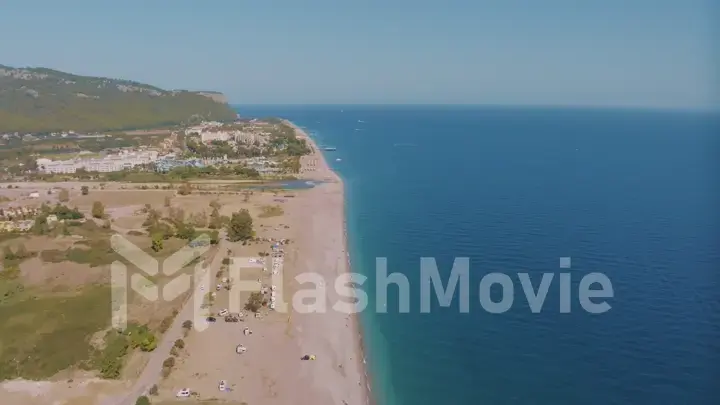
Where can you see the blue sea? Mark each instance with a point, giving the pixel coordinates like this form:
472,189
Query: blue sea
630,194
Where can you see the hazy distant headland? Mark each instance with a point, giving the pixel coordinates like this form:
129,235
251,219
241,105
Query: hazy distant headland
41,99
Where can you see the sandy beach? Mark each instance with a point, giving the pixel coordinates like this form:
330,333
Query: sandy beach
334,334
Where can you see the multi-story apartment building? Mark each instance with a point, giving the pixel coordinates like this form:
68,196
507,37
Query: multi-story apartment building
110,163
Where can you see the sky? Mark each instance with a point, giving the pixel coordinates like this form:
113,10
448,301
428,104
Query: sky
624,53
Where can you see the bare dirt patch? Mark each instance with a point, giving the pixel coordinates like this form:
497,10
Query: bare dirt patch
119,198
35,272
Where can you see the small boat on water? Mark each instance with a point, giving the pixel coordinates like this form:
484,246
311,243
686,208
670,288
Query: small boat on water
338,160
329,148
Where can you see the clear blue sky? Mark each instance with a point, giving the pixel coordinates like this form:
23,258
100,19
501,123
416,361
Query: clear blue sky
572,52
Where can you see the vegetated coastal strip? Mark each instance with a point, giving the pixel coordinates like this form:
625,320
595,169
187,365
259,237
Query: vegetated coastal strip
324,170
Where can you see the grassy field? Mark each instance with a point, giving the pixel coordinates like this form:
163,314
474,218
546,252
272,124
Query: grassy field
271,211
46,331
44,335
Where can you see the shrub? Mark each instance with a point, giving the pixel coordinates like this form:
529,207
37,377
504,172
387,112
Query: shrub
157,242
254,302
64,195
143,400
165,324
98,209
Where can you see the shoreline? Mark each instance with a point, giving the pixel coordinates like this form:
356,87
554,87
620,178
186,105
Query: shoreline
358,341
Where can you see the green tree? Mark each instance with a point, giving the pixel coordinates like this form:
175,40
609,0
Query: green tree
169,362
64,195
40,227
157,242
8,253
215,219
149,343
240,226
153,218
85,190
98,209
22,252
214,237
185,189
254,302
143,400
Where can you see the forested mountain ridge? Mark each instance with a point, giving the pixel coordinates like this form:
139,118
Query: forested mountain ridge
41,99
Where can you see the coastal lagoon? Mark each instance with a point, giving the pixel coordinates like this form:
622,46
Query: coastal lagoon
630,194
286,185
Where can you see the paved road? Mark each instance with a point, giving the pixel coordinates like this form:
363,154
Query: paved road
152,373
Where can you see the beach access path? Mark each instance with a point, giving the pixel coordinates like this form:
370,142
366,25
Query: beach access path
152,373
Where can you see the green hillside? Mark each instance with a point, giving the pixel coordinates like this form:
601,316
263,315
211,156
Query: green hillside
39,100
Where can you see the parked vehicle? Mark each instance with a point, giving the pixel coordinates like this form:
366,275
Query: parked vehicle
222,385
230,318
223,312
211,319
183,393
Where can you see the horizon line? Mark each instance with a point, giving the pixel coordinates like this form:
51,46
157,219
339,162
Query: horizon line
696,109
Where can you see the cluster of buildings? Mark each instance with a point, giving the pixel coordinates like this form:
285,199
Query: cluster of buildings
168,163
110,163
128,160
261,164
252,134
216,131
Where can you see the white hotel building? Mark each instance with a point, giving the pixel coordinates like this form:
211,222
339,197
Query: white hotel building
111,163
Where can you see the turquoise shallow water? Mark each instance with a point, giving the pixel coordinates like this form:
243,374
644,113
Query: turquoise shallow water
630,194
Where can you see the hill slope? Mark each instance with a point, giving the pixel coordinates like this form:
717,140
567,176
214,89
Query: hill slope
40,99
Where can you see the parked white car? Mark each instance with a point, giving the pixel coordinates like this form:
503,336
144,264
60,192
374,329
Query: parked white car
223,312
183,393
222,385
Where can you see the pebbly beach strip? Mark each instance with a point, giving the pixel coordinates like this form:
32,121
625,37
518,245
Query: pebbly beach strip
327,253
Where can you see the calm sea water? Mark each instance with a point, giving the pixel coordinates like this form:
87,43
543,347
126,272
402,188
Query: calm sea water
633,195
